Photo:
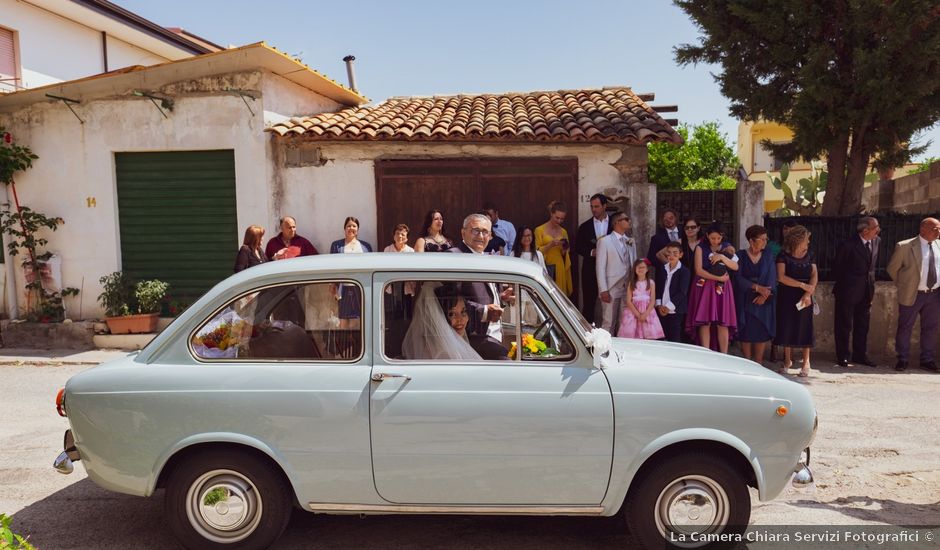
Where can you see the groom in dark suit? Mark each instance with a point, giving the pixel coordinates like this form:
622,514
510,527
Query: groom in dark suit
854,289
483,299
586,247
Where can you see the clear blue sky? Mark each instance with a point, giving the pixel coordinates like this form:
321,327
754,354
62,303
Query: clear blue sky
433,47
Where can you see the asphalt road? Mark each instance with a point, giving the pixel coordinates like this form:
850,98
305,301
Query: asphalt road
874,460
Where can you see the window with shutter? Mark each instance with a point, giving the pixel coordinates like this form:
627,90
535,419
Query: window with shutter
7,55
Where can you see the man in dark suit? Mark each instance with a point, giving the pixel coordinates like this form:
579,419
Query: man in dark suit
668,232
483,299
586,247
672,293
854,289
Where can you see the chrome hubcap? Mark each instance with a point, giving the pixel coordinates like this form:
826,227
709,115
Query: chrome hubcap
223,506
692,504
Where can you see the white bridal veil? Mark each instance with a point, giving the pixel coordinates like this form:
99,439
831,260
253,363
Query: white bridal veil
430,336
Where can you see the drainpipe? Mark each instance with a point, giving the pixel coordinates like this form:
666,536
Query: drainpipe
104,51
350,72
10,269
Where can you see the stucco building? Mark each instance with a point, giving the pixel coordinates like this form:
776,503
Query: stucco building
158,170
48,41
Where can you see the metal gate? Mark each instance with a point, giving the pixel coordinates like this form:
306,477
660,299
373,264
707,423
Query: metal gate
176,212
704,206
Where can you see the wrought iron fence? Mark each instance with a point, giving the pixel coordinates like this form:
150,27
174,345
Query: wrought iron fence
704,206
829,233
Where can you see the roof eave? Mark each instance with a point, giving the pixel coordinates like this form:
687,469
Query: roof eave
265,57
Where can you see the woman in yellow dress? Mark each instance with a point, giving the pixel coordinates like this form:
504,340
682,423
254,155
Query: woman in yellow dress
552,240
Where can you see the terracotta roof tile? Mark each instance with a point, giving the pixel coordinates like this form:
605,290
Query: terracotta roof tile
615,115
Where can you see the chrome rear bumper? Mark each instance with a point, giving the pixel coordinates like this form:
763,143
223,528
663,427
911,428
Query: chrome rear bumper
64,462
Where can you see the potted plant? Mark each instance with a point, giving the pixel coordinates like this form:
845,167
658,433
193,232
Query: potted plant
129,307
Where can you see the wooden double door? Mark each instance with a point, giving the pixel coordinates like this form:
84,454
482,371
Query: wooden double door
520,187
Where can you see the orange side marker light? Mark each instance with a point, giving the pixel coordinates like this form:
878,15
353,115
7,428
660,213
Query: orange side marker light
60,402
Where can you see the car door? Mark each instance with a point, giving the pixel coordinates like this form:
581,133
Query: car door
500,432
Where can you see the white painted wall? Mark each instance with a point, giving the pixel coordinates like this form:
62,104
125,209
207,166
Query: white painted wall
321,197
123,54
53,48
76,163
284,99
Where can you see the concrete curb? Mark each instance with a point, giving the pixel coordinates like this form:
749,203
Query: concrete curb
57,357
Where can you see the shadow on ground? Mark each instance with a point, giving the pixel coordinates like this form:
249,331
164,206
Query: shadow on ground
879,510
84,516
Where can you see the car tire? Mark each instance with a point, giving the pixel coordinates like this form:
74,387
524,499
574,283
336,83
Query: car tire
227,500
685,497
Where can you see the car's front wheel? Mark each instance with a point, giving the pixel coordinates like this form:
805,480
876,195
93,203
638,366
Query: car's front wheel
220,499
687,501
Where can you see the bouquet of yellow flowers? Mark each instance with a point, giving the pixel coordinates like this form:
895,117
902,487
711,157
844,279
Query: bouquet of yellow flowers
532,348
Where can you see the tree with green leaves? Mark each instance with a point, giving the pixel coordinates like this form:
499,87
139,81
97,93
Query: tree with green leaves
703,160
855,80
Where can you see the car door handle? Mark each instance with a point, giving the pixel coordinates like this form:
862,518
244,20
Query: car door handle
379,376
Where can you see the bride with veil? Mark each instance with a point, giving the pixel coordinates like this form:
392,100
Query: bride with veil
431,335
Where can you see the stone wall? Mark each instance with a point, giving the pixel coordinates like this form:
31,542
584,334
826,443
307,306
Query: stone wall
78,335
749,205
914,193
884,323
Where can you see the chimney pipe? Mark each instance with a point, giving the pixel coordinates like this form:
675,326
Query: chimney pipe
350,72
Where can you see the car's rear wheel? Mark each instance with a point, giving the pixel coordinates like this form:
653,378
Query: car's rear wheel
686,502
228,500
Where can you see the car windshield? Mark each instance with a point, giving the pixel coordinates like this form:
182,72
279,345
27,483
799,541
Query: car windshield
568,307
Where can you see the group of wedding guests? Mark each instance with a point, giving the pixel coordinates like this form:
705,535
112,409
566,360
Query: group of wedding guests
695,287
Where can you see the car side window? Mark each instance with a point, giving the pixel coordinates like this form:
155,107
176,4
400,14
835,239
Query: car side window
446,320
542,336
312,321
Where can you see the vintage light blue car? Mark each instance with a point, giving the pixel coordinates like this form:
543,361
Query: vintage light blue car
297,383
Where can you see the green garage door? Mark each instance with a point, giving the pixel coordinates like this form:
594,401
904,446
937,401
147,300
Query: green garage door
177,218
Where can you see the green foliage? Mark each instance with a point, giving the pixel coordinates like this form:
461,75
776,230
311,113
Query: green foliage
150,295
924,166
25,229
13,158
215,496
10,540
703,161
804,201
116,294
122,295
176,306
854,80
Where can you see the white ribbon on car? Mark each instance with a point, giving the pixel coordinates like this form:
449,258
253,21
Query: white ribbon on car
600,341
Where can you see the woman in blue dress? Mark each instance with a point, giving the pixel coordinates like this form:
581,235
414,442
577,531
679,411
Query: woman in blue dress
754,288
350,302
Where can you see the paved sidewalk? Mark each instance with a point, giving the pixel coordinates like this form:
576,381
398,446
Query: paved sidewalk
23,356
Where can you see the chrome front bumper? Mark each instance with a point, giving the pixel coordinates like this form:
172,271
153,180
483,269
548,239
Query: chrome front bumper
64,462
802,477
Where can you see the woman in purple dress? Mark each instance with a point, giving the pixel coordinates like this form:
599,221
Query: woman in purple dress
712,319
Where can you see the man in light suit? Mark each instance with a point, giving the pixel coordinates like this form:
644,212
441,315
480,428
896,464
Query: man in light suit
615,256
915,268
854,289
